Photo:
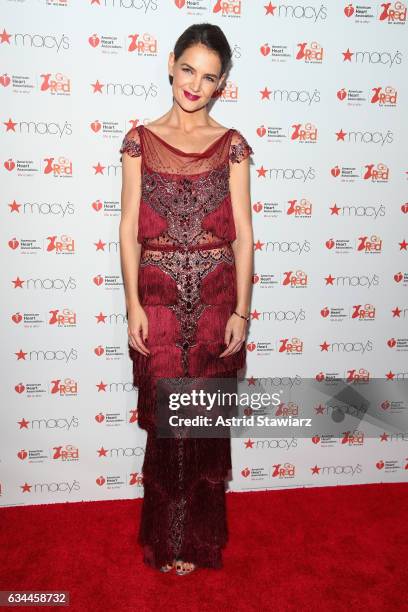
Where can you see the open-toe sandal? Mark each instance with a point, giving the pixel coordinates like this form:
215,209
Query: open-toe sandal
184,567
168,567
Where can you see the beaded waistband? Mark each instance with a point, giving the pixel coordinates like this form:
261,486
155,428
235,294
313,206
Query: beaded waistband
177,247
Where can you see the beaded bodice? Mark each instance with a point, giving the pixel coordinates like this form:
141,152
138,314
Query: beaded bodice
185,198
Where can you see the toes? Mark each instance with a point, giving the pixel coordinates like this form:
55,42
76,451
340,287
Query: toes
184,567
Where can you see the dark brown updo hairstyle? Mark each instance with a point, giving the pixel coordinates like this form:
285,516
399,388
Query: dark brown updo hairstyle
206,34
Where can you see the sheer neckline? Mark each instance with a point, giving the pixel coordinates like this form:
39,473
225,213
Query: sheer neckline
193,154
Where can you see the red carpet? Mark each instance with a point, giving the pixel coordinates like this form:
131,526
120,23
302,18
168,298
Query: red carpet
328,549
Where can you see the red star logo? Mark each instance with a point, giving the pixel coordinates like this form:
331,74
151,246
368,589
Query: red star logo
97,87
100,246
102,452
23,424
4,37
396,312
21,354
100,318
10,125
319,409
329,280
390,375
249,443
261,171
384,437
102,386
340,135
347,55
14,207
315,469
403,245
18,282
251,381
335,209
265,93
26,488
99,168
270,8
324,346
255,315
258,245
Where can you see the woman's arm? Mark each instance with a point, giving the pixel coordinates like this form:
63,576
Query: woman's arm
130,248
243,245
128,227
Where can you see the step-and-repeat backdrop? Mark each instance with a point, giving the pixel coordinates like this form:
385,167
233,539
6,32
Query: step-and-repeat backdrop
320,93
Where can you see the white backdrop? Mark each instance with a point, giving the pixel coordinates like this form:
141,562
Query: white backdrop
320,93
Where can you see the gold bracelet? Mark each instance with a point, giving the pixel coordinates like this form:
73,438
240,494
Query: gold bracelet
242,317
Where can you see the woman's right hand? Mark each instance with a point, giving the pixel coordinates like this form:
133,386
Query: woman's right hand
138,329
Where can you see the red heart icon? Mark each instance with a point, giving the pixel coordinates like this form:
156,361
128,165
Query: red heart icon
97,205
94,40
13,243
98,280
5,80
9,164
96,126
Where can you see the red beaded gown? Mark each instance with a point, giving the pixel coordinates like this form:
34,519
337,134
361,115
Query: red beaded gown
187,287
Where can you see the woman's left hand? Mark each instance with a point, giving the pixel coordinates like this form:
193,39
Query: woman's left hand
235,333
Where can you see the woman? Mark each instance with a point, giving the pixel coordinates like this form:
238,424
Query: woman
186,249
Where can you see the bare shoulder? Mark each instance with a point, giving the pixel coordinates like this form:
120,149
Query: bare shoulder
159,125
217,127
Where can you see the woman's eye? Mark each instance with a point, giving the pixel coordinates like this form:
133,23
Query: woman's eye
188,70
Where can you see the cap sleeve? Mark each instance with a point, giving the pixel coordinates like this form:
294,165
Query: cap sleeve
239,148
131,143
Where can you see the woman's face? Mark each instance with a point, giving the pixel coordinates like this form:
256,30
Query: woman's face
196,76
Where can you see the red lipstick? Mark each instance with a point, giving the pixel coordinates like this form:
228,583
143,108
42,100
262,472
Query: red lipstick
190,96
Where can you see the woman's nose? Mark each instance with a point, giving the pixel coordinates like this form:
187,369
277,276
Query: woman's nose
196,84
